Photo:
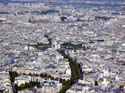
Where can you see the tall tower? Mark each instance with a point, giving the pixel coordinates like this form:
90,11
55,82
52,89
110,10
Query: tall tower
121,7
110,8
99,4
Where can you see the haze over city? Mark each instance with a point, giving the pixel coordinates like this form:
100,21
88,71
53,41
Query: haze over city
62,46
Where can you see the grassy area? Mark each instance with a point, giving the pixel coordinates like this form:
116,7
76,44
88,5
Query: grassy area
75,72
31,84
13,75
40,46
37,45
75,68
64,89
74,46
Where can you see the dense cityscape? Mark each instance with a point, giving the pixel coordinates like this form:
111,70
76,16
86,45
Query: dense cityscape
60,46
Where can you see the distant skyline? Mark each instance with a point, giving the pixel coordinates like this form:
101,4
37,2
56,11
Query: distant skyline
66,0
114,3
